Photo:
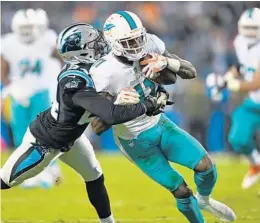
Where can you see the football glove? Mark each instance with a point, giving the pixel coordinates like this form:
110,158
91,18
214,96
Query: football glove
163,96
154,65
232,83
127,96
152,106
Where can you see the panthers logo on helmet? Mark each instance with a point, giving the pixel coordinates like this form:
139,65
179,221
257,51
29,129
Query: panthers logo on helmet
71,43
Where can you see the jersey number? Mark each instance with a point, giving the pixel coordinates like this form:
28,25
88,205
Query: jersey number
148,88
27,66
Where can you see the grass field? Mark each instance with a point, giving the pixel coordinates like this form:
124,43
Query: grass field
134,197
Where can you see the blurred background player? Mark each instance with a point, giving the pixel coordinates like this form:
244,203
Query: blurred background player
27,71
246,118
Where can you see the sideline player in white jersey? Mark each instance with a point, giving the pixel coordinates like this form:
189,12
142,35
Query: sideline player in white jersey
151,142
54,61
25,58
246,118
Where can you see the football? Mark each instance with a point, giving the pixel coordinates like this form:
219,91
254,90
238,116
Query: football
166,76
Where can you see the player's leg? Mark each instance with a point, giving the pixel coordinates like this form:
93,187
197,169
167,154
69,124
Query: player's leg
20,119
245,122
180,147
28,160
83,160
144,152
52,174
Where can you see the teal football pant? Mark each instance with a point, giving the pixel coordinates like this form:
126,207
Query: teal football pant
152,150
245,123
23,116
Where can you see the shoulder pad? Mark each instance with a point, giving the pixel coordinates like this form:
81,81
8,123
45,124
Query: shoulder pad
75,79
155,44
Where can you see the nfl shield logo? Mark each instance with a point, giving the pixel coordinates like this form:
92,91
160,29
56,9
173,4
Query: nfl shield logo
131,143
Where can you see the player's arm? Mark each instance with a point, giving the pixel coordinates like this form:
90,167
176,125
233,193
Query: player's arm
55,54
170,63
241,85
182,68
81,93
4,71
111,114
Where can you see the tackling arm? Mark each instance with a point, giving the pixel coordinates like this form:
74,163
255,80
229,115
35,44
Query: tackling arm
99,106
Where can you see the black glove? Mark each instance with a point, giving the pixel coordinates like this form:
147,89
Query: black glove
152,107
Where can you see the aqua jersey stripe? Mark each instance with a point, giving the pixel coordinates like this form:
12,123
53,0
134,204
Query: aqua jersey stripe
250,13
128,18
77,73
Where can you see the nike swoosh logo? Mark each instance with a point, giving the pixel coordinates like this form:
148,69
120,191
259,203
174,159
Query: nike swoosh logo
252,44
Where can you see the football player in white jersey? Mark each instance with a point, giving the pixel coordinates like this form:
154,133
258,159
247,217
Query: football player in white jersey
54,61
246,118
151,142
24,58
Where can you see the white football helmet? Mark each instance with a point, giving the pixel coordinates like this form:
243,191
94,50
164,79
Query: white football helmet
126,35
249,23
24,26
42,21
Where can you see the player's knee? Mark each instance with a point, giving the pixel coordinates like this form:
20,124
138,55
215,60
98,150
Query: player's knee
92,174
98,181
183,191
238,143
205,164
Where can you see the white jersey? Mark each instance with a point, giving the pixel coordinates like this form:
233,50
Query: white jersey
110,75
52,65
249,58
28,63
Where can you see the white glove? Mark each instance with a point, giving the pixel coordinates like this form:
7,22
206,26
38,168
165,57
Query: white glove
216,95
233,84
162,99
127,96
154,65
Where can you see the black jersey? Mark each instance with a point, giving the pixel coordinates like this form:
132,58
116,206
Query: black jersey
76,102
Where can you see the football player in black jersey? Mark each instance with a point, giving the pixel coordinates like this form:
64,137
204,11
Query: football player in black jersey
57,132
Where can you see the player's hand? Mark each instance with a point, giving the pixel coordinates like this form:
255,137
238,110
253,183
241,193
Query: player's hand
152,106
99,126
163,96
154,65
232,83
127,96
2,108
